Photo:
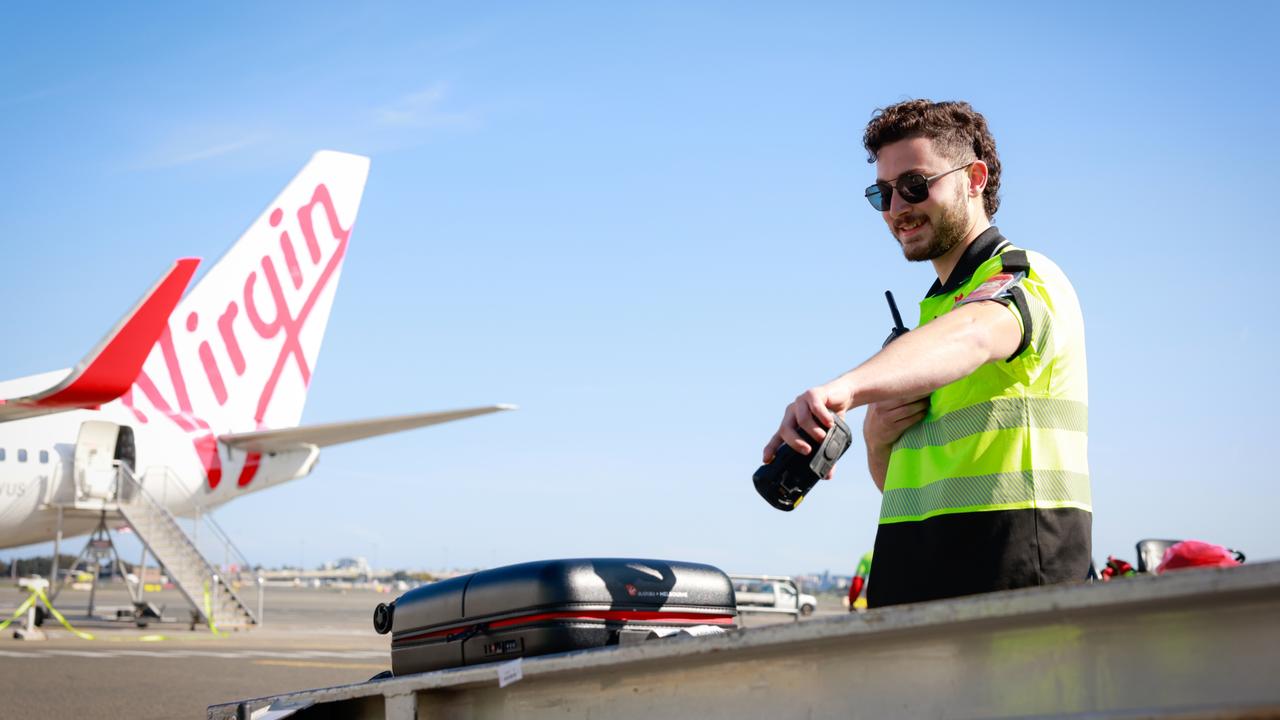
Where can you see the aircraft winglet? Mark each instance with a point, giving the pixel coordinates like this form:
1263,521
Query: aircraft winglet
263,441
109,369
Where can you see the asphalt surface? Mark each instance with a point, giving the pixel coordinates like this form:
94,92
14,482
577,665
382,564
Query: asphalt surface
310,638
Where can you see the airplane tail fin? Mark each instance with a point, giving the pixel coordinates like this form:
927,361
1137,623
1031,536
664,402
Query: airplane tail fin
241,346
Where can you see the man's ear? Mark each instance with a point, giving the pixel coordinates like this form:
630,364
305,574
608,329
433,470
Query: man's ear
977,178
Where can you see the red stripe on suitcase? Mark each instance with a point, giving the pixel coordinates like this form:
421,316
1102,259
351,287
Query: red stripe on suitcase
622,615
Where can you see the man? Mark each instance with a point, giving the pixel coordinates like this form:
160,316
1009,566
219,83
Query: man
976,420
858,583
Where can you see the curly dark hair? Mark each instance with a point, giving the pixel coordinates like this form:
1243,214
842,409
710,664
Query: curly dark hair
959,131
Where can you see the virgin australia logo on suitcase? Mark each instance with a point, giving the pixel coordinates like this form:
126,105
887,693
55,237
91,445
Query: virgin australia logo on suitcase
633,591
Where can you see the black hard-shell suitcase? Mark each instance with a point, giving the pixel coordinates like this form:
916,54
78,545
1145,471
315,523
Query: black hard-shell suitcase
547,607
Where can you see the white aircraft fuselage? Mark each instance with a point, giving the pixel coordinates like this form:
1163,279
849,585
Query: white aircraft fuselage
200,395
167,463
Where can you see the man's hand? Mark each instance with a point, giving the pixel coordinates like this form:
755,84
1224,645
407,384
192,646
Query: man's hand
887,420
811,412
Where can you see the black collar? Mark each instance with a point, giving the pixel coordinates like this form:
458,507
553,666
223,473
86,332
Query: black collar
983,248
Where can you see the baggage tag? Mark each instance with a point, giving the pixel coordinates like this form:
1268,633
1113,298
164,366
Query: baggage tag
996,287
510,672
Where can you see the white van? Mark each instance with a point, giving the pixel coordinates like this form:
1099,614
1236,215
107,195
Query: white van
777,594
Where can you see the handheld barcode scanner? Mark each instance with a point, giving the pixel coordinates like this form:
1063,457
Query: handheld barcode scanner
784,482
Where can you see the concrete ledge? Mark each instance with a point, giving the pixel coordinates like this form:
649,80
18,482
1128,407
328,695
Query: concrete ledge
1177,643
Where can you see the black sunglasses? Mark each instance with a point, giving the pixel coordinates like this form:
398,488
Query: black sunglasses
914,188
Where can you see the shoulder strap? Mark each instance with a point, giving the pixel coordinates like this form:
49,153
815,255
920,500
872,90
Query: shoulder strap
1014,261
1024,311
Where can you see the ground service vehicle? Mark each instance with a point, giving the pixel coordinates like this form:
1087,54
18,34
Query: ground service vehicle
754,592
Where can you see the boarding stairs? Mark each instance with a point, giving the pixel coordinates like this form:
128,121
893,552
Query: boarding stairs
208,591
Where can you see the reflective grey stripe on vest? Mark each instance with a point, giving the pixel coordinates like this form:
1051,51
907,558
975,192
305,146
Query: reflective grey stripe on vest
1049,488
997,414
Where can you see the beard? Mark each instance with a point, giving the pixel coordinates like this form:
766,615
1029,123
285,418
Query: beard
949,229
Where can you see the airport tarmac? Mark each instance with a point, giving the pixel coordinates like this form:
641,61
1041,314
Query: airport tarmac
310,638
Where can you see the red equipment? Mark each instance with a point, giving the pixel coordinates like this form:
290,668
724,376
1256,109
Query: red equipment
1194,553
1116,568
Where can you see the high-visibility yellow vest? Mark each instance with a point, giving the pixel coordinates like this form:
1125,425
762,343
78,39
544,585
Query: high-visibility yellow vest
1013,434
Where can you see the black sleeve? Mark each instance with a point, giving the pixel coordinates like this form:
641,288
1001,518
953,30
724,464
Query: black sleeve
1015,261
1020,302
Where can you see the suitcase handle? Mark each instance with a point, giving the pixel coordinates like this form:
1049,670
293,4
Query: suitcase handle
467,634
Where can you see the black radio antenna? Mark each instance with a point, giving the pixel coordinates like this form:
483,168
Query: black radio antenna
893,308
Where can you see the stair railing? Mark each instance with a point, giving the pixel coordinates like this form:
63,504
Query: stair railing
209,537
129,486
231,552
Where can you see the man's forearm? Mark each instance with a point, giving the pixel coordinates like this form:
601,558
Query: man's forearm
927,358
913,366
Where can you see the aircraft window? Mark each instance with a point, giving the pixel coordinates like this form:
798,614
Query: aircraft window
1,454
22,456
44,457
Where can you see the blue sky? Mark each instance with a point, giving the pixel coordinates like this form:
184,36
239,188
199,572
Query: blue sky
635,222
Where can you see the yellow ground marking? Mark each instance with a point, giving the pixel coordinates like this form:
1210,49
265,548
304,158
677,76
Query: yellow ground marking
321,664
144,638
